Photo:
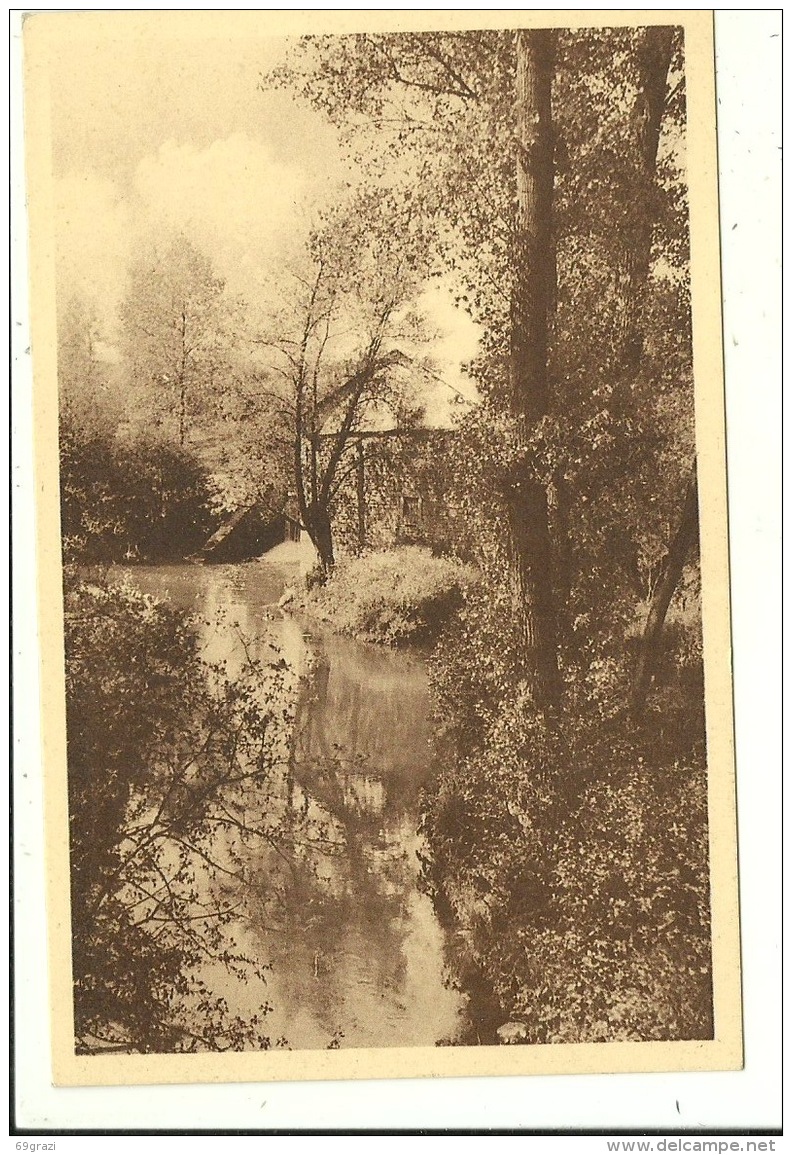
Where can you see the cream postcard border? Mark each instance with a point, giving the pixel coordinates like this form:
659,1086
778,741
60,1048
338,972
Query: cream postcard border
49,32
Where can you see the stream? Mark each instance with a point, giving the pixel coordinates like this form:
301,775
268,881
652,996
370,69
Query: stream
357,955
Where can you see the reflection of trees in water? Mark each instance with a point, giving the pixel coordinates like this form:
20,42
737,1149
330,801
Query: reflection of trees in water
480,1012
333,914
337,903
369,731
319,866
234,608
343,903
186,770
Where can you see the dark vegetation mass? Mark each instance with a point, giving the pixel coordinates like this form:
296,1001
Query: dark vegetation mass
145,501
567,824
175,778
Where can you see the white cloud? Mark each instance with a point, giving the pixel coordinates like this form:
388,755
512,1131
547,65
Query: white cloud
244,210
93,238
231,199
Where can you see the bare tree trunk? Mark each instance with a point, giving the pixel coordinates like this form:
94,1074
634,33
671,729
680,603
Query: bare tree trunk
564,560
683,541
183,382
313,513
320,531
530,553
360,474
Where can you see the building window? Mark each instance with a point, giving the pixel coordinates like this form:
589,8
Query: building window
411,509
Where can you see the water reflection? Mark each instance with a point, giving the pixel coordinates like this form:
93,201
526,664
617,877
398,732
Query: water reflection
356,951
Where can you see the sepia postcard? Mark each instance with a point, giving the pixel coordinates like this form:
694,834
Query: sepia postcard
383,560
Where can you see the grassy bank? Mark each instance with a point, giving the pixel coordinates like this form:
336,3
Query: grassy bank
396,597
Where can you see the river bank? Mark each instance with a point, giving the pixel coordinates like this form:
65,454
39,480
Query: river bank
558,943
401,597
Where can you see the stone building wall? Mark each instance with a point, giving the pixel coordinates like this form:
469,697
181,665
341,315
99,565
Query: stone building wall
397,493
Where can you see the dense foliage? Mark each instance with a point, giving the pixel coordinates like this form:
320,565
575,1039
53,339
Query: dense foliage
142,500
568,823
575,856
173,770
619,410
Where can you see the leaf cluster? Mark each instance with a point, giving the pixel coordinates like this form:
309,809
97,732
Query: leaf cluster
175,772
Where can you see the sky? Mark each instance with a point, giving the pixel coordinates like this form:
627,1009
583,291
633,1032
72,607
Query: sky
156,134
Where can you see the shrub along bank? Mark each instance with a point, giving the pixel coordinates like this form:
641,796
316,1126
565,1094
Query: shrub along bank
403,596
571,854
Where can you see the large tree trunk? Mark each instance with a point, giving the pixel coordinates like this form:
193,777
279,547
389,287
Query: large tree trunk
683,541
320,531
530,553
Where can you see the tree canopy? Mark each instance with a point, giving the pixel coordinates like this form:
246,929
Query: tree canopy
176,338
548,173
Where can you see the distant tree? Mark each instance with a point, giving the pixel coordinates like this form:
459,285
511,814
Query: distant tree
175,338
121,497
89,399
